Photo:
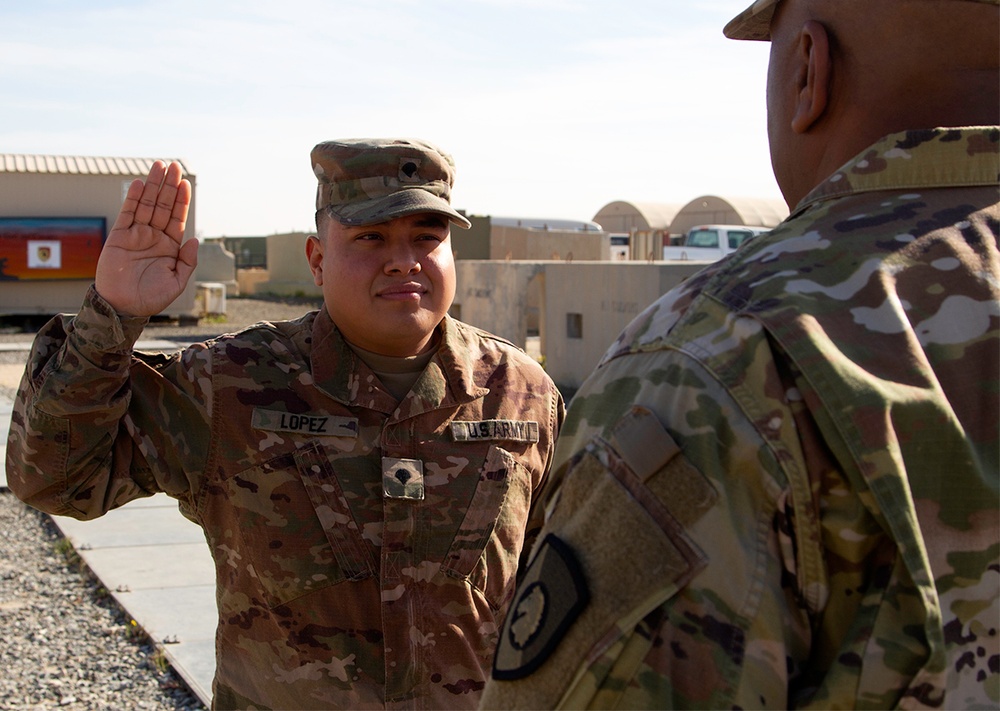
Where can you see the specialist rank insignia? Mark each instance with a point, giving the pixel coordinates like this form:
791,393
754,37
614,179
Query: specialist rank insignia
402,478
551,596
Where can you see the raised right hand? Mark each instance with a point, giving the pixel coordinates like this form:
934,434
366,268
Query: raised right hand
143,266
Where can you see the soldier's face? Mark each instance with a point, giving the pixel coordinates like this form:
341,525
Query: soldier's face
386,286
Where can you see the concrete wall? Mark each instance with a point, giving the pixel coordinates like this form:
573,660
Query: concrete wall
249,280
70,195
287,268
599,298
494,296
647,245
216,264
473,243
534,244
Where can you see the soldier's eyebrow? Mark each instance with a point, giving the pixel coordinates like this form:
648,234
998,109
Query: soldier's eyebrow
431,221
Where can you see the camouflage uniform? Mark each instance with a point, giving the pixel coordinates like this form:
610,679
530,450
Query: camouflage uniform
365,548
780,488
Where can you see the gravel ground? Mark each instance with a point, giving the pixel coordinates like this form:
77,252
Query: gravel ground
65,643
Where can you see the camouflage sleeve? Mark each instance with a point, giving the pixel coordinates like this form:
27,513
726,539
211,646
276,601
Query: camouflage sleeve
536,514
92,422
666,573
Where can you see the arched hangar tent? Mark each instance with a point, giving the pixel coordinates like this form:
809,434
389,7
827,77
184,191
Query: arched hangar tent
714,210
625,217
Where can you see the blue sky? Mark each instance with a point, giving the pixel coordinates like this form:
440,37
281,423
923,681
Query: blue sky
551,108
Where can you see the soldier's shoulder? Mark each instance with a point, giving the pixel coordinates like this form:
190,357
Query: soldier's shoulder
489,347
264,334
474,335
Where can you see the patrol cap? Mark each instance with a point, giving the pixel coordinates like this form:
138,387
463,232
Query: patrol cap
754,23
365,181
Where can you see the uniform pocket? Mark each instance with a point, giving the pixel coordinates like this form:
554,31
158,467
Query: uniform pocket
488,542
298,530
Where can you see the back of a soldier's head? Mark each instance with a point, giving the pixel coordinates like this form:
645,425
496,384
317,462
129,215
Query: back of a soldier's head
844,73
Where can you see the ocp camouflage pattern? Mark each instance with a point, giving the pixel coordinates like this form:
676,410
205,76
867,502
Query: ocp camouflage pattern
832,389
330,593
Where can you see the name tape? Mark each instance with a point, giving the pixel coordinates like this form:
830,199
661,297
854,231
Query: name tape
277,421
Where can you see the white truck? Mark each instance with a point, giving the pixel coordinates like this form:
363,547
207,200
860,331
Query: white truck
709,243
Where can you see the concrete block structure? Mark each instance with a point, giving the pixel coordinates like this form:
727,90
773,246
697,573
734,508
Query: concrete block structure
55,213
216,264
287,269
501,297
586,305
576,324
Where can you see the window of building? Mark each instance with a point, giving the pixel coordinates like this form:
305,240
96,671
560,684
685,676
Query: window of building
574,325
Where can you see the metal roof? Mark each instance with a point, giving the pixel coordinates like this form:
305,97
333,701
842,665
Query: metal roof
80,165
540,223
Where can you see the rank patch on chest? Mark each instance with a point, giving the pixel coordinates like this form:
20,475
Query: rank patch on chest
508,430
317,425
402,478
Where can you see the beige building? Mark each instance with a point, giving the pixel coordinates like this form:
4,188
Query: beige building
55,213
575,325
288,271
493,237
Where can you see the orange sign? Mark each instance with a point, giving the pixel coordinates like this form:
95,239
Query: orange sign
34,248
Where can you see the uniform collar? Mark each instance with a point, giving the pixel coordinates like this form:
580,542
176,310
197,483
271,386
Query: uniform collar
915,160
449,380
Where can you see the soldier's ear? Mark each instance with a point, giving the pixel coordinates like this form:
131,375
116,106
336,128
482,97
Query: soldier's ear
813,75
314,254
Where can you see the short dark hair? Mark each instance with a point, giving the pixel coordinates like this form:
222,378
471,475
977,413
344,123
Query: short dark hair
322,215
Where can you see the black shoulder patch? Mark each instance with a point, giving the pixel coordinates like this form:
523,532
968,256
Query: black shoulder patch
550,598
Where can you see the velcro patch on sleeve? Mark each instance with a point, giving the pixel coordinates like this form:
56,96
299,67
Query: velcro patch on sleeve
328,425
504,430
550,598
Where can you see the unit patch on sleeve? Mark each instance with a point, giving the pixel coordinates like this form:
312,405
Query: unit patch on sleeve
278,421
551,596
509,430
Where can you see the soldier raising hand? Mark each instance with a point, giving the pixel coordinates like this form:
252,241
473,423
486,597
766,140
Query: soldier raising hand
144,266
366,546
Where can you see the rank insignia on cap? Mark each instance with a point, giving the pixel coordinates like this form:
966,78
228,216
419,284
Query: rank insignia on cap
552,595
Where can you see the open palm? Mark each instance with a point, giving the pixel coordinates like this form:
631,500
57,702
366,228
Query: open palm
144,266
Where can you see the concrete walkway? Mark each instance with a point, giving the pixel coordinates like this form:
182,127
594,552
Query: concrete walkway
153,561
